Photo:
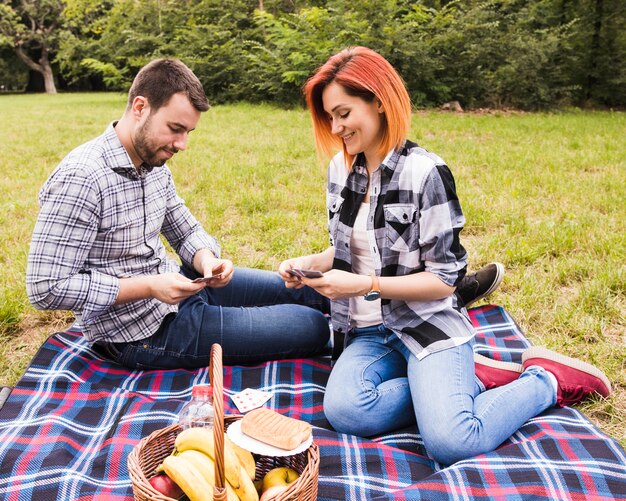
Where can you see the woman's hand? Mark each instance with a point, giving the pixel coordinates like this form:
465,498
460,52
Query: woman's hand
291,281
337,284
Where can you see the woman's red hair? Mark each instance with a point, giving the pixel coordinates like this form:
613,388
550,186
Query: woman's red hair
368,75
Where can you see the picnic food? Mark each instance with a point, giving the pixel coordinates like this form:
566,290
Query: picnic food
245,457
165,485
279,477
273,428
206,467
196,475
272,492
188,478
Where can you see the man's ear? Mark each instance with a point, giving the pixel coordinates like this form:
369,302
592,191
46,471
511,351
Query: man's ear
139,106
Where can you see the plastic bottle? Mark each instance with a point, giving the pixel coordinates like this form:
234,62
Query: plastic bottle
199,410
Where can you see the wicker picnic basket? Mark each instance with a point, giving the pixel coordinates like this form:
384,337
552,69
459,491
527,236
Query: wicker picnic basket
150,452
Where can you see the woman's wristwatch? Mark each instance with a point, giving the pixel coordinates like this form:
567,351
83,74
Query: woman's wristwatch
374,292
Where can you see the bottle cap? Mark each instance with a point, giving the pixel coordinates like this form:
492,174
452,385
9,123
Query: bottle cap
202,391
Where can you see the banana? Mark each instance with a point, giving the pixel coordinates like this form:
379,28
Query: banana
246,491
188,478
201,439
206,467
245,457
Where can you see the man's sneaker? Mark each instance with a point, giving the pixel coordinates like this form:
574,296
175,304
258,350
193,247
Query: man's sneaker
478,285
493,373
576,379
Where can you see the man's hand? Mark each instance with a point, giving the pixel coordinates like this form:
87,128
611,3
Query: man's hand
172,288
220,271
208,265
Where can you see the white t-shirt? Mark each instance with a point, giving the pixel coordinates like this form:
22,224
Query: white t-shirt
363,313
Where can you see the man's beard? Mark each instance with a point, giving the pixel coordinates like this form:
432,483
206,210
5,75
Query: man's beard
145,148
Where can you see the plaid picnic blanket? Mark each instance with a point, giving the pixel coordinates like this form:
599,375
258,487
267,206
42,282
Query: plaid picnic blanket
69,424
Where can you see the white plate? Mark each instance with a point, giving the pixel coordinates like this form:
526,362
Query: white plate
255,446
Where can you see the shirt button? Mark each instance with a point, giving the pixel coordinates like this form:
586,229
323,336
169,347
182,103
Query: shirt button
405,216
145,345
362,190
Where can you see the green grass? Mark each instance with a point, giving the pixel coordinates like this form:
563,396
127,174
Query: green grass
543,193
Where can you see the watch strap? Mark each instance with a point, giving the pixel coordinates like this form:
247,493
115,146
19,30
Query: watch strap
375,283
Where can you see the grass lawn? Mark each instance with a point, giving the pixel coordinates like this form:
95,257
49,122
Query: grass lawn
545,194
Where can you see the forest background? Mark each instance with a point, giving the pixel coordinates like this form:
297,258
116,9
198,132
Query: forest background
525,54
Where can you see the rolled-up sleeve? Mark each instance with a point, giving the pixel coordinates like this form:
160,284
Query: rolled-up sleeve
56,277
441,221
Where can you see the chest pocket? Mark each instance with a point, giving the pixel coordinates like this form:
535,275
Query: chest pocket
401,227
333,204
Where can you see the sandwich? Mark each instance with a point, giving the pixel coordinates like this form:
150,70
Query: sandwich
274,429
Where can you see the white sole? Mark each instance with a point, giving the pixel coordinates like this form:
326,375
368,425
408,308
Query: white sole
497,364
546,354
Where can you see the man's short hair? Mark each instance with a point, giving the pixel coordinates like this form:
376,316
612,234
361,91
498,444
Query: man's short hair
160,79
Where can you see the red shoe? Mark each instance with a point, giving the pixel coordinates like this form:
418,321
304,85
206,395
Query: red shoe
576,379
493,373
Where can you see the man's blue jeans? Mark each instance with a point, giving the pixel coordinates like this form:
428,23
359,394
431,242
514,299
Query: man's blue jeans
377,386
254,318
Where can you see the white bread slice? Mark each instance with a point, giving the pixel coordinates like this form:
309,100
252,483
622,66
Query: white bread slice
270,427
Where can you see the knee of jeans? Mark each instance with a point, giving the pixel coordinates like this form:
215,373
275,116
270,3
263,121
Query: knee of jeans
345,414
447,446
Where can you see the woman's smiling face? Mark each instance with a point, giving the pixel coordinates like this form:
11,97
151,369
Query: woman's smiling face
357,121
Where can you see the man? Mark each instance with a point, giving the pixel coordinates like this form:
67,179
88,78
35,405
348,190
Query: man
96,249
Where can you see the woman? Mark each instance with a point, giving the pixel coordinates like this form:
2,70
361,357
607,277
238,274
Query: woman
391,270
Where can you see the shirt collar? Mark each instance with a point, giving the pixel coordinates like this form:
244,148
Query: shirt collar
118,159
389,164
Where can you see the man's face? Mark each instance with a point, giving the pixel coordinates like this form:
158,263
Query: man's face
162,133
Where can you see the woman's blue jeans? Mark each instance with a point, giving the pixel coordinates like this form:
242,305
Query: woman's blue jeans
254,318
377,386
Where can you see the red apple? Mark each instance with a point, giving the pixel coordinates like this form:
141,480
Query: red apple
165,485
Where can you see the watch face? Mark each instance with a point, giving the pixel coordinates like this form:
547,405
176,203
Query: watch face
372,296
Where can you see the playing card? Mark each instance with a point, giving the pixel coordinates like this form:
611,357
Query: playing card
249,399
296,272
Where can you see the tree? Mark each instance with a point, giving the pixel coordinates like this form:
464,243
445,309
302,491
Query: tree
31,28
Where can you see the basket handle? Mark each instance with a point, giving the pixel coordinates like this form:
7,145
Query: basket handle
217,377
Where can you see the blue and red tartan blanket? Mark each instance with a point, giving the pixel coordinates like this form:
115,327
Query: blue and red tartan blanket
69,424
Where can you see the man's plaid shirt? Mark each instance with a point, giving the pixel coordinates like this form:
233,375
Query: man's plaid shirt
101,220
413,226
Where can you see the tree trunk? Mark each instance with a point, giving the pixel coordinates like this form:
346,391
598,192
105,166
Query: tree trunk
42,67
592,75
48,78
35,82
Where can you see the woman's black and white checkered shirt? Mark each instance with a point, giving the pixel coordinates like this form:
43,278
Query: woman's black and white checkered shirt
413,226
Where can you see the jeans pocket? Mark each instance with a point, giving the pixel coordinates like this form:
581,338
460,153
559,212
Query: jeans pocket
142,355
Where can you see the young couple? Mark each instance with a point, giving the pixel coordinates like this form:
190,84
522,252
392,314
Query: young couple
394,276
